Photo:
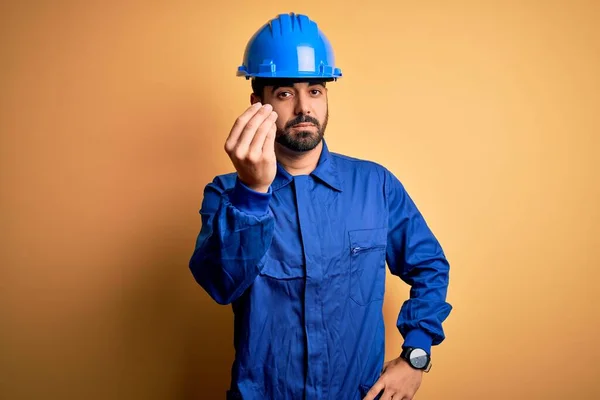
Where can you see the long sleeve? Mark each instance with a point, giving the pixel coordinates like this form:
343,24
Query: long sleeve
415,255
236,233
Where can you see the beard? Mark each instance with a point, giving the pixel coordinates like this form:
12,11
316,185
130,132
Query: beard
302,140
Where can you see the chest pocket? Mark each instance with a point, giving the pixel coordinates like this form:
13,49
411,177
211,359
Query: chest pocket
285,259
367,265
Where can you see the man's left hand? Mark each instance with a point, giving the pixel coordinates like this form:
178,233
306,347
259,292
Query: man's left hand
398,380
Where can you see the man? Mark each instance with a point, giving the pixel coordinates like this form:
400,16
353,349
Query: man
298,238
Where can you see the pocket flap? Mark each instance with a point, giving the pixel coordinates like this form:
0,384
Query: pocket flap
368,238
280,269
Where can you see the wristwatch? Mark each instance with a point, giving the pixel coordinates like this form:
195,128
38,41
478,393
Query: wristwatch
417,358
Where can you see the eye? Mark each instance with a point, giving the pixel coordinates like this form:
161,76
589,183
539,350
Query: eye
284,94
315,92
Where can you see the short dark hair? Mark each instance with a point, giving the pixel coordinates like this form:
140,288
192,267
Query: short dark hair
259,84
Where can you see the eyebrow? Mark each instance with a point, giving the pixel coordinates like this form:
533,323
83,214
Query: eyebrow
291,85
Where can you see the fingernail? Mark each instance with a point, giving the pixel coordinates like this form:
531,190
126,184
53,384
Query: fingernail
257,105
268,107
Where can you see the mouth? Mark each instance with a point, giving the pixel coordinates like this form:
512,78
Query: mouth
303,125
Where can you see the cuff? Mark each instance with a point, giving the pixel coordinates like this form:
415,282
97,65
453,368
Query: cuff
250,201
418,338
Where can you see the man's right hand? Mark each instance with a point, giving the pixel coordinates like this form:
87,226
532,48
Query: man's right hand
251,147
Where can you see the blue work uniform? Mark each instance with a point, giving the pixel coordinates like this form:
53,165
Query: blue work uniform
304,269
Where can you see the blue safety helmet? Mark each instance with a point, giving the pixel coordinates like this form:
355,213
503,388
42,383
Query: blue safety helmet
289,46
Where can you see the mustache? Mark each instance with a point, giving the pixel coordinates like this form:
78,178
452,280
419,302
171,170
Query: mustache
301,119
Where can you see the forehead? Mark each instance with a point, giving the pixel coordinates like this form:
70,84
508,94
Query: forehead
293,84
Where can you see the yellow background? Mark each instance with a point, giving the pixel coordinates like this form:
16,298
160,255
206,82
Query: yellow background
113,117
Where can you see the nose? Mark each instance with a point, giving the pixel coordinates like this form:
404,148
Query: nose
302,104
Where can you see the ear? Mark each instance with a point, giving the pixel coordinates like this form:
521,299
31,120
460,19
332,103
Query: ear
254,99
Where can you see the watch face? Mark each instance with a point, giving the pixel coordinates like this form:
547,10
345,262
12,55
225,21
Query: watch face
418,358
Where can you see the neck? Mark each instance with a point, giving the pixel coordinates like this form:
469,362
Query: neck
298,163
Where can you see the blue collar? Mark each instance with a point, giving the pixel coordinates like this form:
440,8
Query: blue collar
325,171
